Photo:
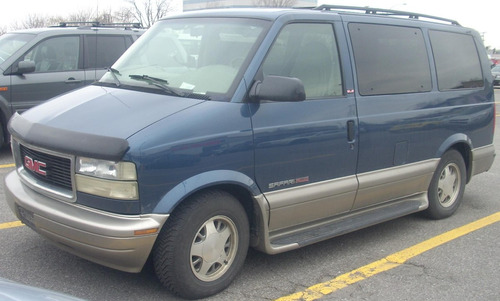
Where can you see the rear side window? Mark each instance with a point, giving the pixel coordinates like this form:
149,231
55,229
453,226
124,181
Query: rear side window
457,60
390,59
102,51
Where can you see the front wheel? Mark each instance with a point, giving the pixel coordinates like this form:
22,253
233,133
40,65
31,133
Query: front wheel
447,186
203,245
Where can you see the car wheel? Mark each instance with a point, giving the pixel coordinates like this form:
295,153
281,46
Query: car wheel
203,245
447,186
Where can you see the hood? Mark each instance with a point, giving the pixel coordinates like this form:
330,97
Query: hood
94,121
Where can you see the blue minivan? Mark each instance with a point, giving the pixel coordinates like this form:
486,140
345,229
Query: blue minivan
220,130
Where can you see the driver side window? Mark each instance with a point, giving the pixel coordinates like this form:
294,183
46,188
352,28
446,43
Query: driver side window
55,54
307,51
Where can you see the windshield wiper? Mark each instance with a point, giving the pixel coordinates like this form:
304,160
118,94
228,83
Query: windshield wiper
114,72
159,82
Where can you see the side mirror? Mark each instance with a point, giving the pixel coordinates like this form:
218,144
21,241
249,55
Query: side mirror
278,88
24,67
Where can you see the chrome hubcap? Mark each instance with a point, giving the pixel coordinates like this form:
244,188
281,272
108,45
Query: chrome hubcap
449,185
214,248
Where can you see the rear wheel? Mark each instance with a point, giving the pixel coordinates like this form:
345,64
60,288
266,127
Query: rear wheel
203,245
447,186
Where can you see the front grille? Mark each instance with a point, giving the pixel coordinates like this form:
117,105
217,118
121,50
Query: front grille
57,170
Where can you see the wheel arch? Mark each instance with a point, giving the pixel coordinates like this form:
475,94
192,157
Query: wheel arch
242,187
463,144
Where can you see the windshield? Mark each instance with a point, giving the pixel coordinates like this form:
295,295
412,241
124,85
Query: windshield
10,43
189,57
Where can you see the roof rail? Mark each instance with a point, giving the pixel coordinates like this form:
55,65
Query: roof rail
97,24
383,12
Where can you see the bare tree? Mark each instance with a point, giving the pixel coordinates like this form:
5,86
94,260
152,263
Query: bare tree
147,12
124,15
34,21
88,15
275,3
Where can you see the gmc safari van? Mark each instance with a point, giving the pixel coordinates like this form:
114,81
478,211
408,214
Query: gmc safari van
221,130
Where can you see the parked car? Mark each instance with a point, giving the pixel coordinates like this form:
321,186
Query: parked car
38,64
273,129
495,71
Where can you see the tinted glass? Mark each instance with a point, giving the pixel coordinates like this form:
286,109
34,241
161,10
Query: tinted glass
457,60
309,53
55,54
390,59
103,51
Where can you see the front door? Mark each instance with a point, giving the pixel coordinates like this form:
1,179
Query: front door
305,152
57,71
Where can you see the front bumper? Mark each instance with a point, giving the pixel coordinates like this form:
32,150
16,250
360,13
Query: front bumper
102,237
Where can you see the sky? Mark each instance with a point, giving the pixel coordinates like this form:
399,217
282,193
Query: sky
481,15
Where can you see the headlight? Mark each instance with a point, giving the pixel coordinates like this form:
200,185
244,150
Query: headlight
116,180
106,169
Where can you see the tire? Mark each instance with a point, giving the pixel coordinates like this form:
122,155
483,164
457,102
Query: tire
203,245
3,140
447,186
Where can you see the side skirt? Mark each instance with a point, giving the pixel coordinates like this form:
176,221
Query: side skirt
282,241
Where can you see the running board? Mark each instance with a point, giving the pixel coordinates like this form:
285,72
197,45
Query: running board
345,224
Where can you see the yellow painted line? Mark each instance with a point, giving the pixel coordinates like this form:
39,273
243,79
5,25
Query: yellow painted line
392,261
11,225
7,165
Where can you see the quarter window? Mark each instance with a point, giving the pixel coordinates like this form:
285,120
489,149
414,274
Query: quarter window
308,52
457,60
390,59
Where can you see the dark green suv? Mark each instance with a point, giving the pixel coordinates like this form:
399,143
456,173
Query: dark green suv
38,64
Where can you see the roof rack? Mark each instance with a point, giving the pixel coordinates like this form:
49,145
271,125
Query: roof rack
98,24
383,12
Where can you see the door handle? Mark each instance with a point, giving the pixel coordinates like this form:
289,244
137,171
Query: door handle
72,80
351,132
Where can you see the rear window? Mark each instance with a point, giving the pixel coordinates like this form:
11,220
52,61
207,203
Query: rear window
457,60
390,59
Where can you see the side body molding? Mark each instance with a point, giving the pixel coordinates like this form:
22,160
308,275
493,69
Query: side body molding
200,181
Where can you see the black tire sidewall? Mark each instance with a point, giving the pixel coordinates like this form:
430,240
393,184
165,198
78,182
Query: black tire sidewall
436,210
186,223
